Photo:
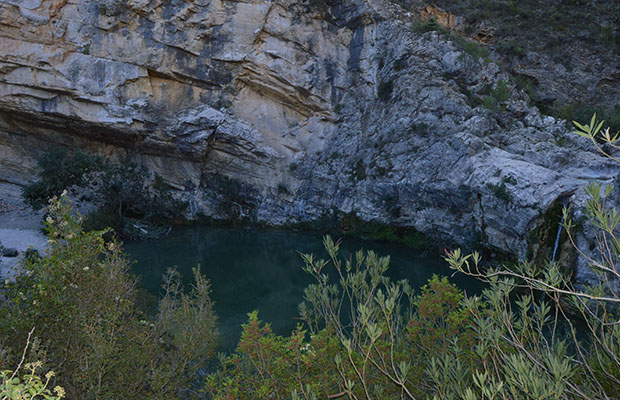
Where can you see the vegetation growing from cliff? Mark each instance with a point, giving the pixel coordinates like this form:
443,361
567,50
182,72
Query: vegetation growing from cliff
557,28
527,21
57,170
582,112
322,6
384,90
497,97
134,202
131,200
235,199
82,300
500,190
352,225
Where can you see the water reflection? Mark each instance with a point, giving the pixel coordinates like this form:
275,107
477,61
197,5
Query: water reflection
261,269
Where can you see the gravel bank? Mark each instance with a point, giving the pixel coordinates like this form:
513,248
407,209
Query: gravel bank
20,228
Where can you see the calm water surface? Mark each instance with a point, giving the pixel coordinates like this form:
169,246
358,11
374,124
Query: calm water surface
252,269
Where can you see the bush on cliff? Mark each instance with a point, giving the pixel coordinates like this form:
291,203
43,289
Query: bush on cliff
132,201
83,302
57,170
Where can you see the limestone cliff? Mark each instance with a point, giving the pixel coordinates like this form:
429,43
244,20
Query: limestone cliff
283,111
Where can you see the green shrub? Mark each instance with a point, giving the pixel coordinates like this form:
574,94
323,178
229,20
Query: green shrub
359,170
352,225
500,191
581,112
608,35
372,338
265,365
82,300
321,6
57,170
527,84
429,25
439,317
134,202
235,199
475,50
133,205
29,385
384,91
336,361
283,189
510,47
401,62
438,320
421,129
499,95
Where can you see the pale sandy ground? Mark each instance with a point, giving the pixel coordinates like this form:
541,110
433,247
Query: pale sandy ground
20,228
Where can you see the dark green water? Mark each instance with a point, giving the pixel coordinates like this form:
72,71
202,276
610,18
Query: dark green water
253,269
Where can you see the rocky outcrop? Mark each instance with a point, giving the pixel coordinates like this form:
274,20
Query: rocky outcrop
564,55
282,111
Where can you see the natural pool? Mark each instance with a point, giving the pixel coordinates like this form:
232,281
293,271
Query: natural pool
257,269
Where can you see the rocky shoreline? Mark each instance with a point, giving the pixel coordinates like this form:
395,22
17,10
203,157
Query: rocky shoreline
20,229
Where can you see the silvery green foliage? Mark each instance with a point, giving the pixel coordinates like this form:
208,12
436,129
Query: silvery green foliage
552,357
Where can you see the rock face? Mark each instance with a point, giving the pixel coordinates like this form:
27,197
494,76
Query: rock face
284,111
